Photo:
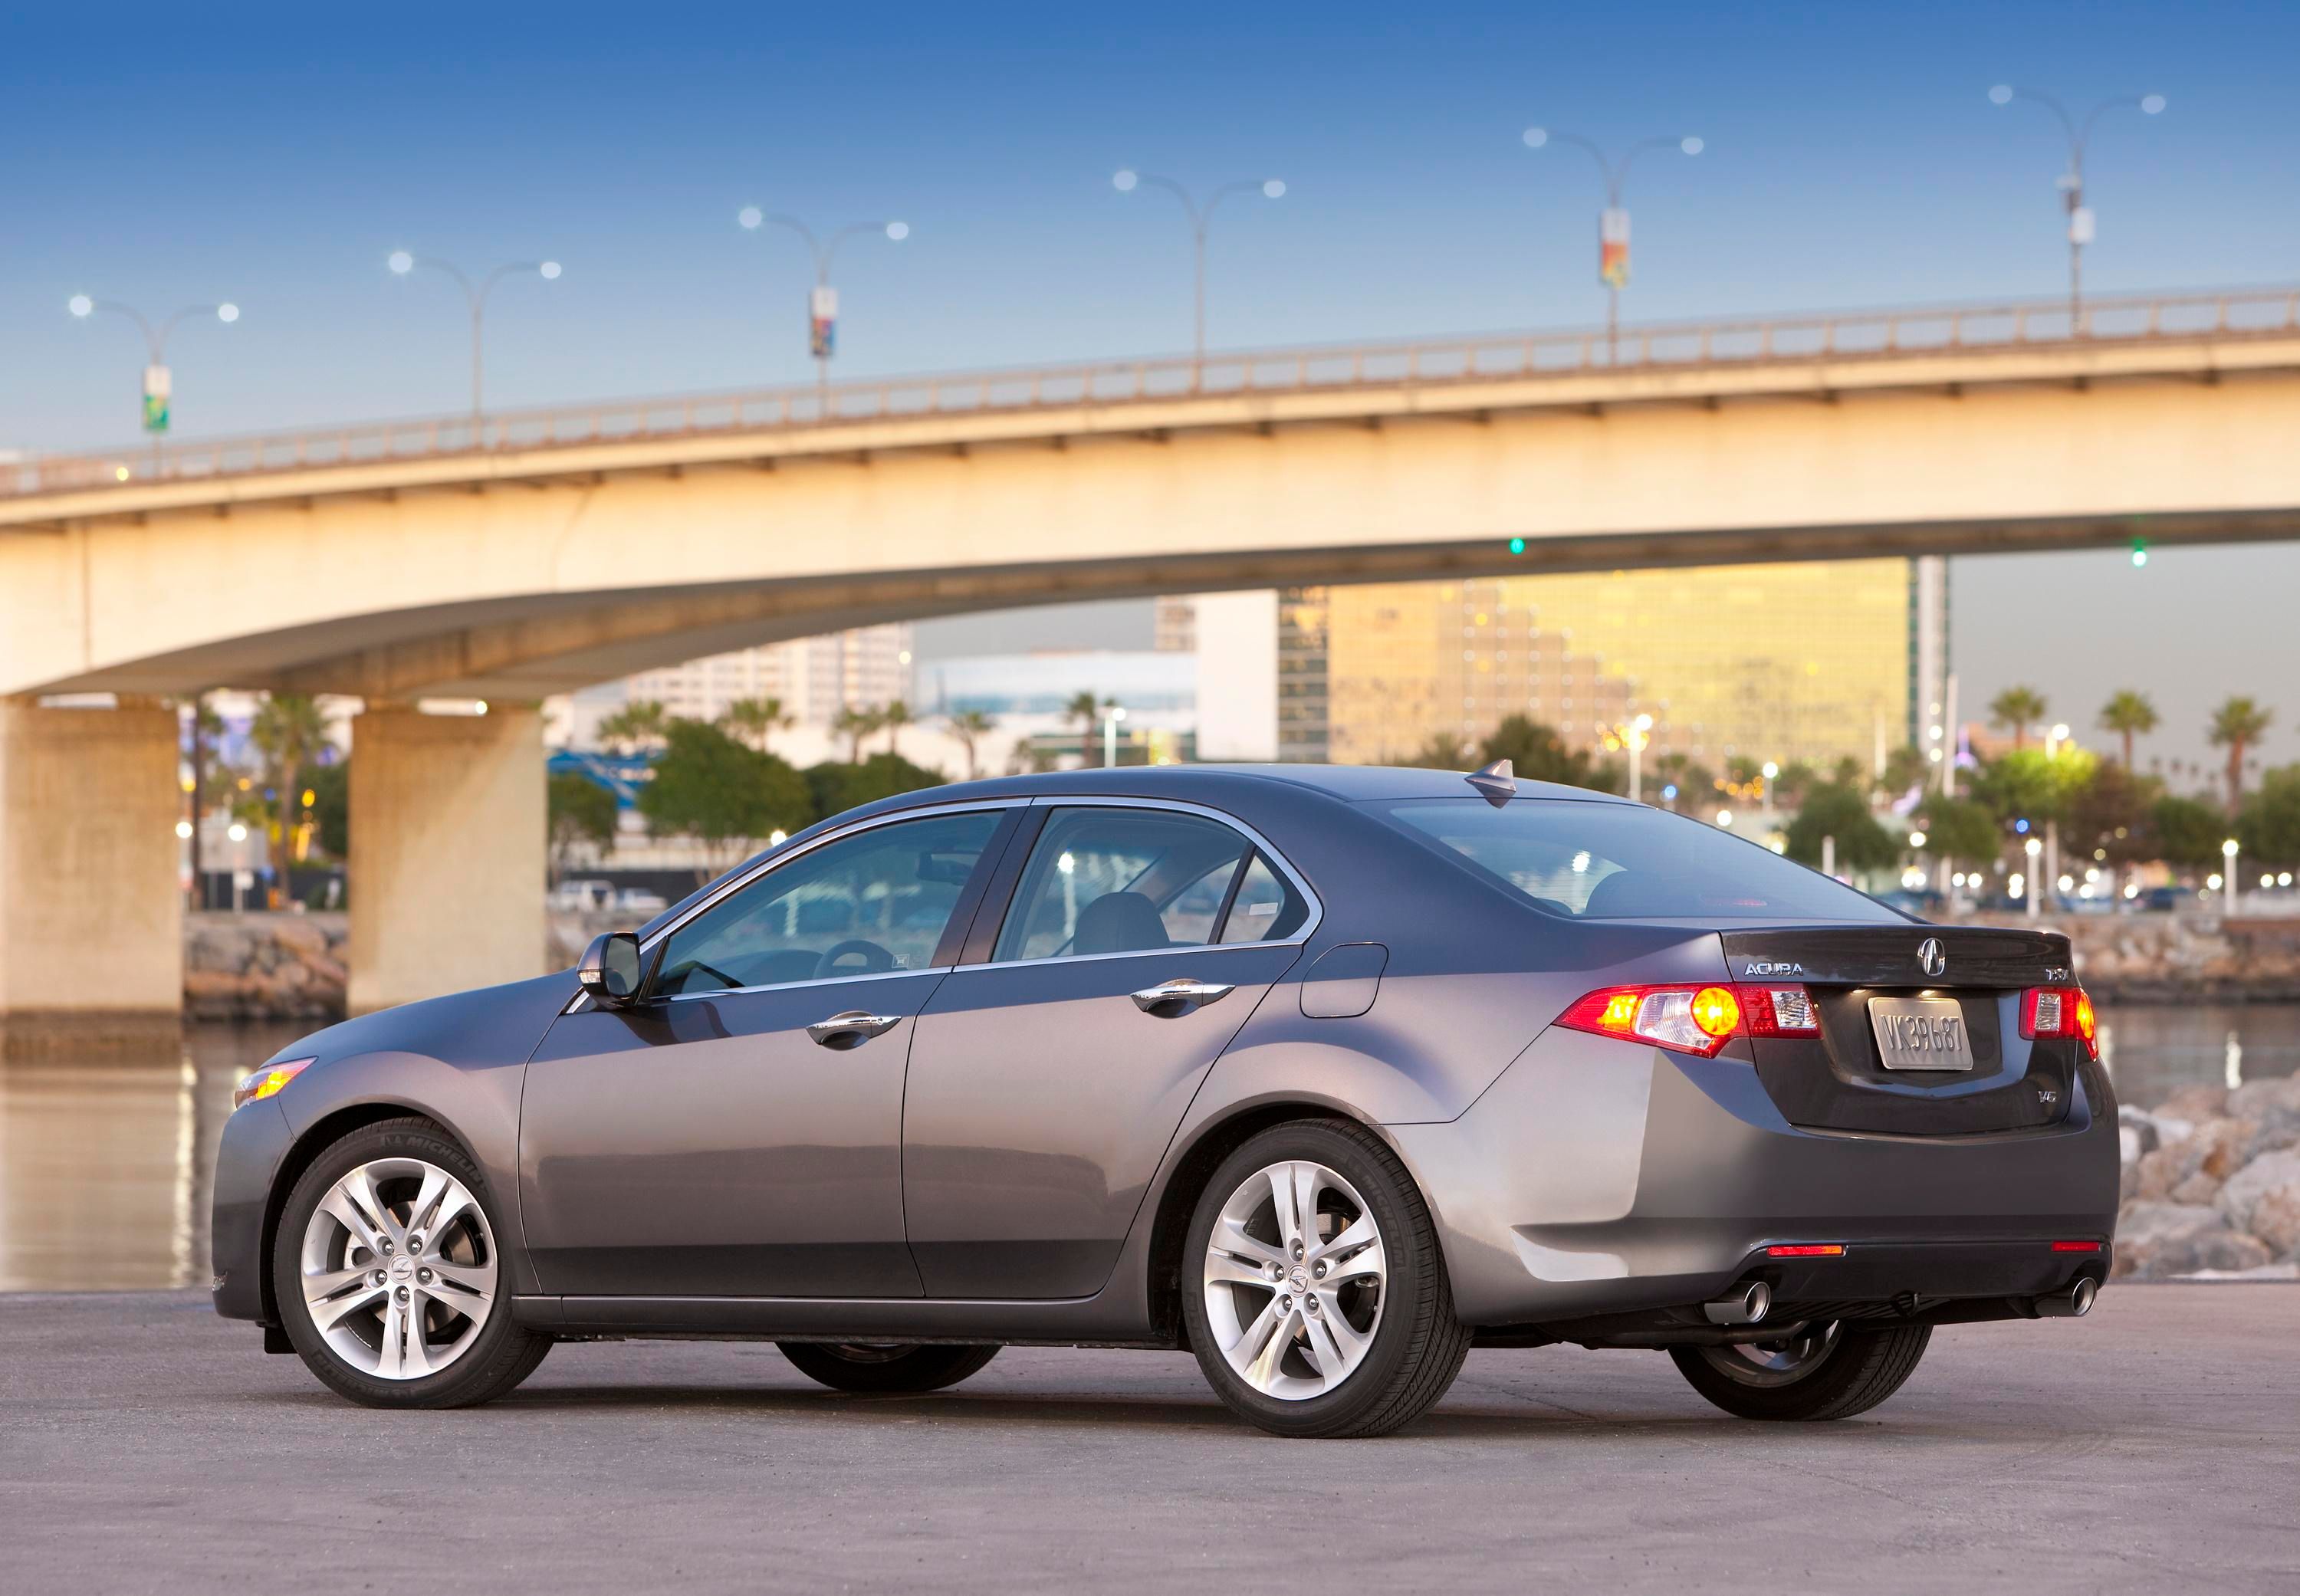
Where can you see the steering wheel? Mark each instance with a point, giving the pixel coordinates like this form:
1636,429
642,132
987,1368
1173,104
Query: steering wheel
875,959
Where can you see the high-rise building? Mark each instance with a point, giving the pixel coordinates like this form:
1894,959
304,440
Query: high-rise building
815,678
1812,661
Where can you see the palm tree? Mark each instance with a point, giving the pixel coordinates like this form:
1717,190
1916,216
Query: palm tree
855,725
2236,725
2129,714
289,730
895,716
635,725
1086,710
753,720
2016,709
971,726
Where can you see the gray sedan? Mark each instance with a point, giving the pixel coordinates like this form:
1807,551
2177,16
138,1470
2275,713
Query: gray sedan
1326,1075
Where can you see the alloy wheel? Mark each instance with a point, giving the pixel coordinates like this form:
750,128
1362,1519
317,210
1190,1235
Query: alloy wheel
398,1269
1294,1281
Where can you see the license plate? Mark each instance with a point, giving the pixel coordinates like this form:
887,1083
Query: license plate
1921,1033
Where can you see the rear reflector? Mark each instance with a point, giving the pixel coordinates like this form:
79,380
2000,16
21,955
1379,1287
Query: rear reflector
1808,1249
2076,1246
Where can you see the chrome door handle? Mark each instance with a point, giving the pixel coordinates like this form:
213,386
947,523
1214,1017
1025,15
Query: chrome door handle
1171,999
852,1028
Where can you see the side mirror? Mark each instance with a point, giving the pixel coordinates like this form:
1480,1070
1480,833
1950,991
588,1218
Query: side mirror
611,970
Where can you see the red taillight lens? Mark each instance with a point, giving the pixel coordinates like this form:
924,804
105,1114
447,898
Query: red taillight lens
2060,1013
1694,1019
1780,1011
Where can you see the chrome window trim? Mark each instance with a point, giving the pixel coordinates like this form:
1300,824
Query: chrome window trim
776,861
582,1000
1262,844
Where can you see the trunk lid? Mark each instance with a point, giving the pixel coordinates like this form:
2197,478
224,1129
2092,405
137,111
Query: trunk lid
1838,1081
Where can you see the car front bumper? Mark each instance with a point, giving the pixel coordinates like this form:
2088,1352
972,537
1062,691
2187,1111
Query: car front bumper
1599,1177
255,1139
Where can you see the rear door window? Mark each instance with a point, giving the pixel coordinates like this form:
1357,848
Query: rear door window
1131,880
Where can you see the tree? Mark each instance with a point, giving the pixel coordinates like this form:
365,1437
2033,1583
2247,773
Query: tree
1960,830
1087,710
2236,725
1841,812
331,807
1906,767
970,727
581,811
288,731
727,796
2110,813
2028,783
635,725
2187,831
835,788
855,725
1536,753
1441,751
1694,781
2016,709
895,716
2270,827
2129,714
754,720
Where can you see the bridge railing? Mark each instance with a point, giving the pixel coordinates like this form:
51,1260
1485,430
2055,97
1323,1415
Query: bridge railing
1690,347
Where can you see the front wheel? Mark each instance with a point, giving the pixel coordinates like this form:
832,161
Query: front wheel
1313,1292
872,1366
1821,1371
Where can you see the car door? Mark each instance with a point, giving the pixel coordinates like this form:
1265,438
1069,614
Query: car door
739,1132
1046,1080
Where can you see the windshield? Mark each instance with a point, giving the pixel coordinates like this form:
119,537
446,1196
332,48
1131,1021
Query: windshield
1621,862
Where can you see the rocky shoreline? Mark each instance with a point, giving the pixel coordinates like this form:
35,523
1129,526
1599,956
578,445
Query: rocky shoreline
2212,1184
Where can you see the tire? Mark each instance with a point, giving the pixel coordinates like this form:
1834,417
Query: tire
885,1367
1383,1317
451,1286
1843,1372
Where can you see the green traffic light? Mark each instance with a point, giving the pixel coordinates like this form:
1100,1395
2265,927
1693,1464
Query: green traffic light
1517,545
2139,553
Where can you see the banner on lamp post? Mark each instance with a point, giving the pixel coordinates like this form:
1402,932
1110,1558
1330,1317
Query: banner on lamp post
1613,248
155,398
823,323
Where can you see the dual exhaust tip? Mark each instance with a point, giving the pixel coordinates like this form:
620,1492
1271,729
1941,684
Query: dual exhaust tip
1750,1301
2073,1304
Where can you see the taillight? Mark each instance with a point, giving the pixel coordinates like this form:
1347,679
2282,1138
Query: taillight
2060,1013
1694,1019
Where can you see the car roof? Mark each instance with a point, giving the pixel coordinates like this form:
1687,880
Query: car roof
1352,784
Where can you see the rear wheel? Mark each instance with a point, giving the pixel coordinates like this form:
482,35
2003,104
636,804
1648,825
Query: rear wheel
885,1366
1822,1371
1315,1292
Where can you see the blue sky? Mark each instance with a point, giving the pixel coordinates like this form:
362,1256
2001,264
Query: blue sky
275,156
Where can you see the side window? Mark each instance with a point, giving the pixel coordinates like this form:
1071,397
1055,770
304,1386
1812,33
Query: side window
873,902
1120,881
1267,908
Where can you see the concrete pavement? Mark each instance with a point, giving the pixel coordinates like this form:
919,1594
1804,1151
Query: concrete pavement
146,1445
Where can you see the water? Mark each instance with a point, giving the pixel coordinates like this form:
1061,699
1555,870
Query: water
105,1168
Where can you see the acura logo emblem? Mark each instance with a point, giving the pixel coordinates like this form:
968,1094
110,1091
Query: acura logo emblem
1930,958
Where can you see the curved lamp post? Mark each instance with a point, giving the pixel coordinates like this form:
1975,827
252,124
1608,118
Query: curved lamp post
475,294
2071,182
1613,222
157,384
822,303
1201,214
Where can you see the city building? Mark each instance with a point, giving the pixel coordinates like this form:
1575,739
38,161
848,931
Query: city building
1813,662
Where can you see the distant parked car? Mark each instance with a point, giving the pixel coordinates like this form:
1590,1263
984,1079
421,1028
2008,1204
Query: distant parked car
2163,899
1322,1073
637,900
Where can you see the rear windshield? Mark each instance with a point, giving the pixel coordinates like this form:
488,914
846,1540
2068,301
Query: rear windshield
1628,862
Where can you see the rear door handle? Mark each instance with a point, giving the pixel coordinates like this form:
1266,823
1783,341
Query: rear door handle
851,1030
1171,999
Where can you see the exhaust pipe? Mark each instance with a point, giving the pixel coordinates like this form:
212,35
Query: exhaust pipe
2073,1304
1747,1303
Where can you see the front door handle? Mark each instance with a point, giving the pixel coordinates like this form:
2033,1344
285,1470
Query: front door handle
851,1030
1171,999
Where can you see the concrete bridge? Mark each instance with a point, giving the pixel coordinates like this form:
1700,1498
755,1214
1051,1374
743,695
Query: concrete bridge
545,551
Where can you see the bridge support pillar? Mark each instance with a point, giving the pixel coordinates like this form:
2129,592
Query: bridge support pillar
91,906
447,851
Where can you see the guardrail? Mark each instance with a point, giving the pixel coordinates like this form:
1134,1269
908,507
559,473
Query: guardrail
1779,340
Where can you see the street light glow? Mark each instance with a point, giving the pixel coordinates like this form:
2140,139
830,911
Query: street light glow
2001,94
1273,189
750,216
227,313
1691,144
550,271
401,261
898,230
1124,181
2150,105
82,305
1916,839
1535,138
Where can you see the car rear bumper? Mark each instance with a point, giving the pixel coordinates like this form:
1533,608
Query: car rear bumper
255,1139
1600,1177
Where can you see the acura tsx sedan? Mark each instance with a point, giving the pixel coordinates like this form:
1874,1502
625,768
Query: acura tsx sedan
1324,1075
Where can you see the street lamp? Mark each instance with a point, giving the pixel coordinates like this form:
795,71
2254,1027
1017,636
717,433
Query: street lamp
1112,714
2228,872
2071,182
2029,881
1200,215
822,303
156,383
1612,221
1768,771
475,295
1634,735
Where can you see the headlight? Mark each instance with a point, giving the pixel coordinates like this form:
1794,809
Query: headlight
267,1081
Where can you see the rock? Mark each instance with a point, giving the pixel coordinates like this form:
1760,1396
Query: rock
2154,1239
2159,1172
2275,1271
2244,1190
2222,1146
2276,1221
2136,1133
2219,1251
2127,1183
2171,1128
2199,1188
2274,1105
2195,1103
